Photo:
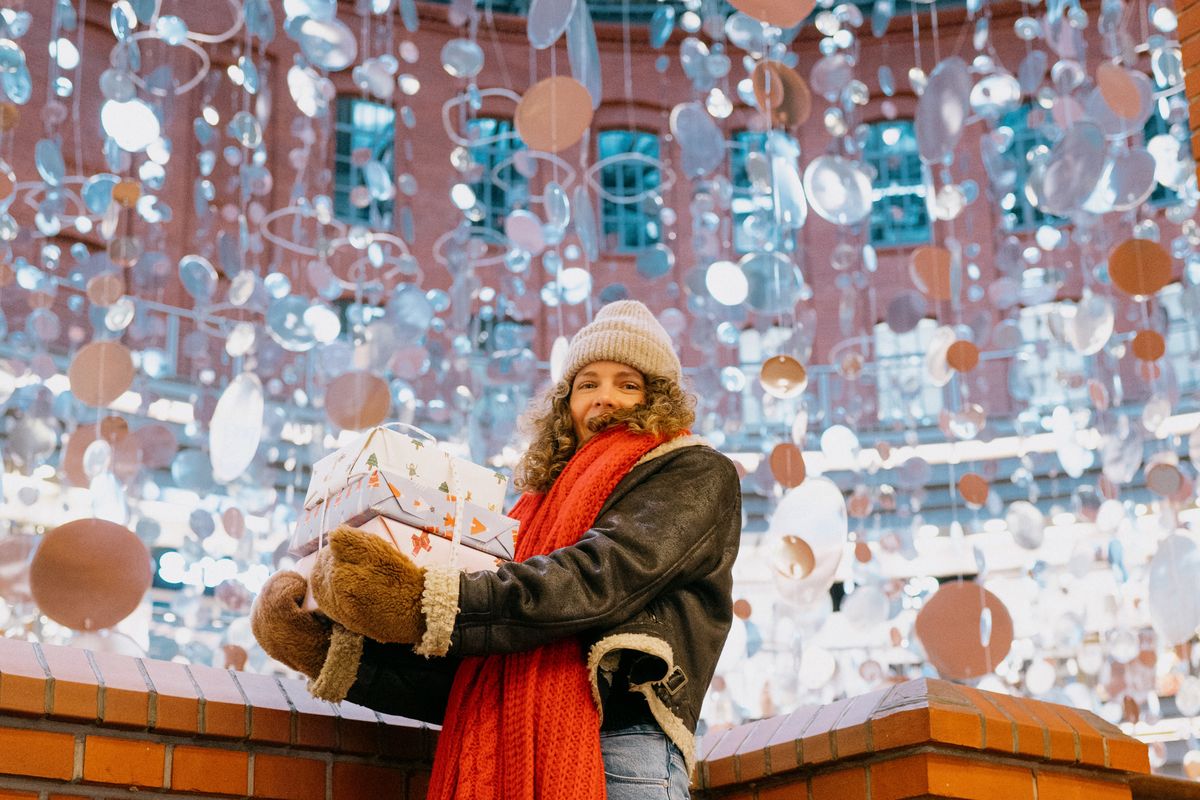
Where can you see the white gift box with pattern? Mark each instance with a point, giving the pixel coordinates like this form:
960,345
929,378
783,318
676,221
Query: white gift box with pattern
425,549
382,493
417,458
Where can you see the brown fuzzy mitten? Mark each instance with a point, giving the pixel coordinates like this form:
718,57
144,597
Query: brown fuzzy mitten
371,588
286,631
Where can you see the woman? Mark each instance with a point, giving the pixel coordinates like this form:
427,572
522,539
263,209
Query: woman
581,666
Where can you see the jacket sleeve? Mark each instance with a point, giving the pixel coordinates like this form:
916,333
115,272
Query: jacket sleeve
668,529
392,679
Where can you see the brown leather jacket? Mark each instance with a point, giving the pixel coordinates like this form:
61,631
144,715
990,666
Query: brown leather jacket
652,575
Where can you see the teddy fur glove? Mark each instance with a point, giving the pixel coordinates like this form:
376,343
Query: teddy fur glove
288,633
371,588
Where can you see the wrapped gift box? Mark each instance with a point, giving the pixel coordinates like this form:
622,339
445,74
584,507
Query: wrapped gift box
424,548
418,460
381,493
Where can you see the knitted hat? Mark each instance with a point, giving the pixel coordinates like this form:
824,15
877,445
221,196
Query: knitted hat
626,332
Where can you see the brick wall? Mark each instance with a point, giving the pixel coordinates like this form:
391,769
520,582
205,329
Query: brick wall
1189,38
79,724
74,723
925,738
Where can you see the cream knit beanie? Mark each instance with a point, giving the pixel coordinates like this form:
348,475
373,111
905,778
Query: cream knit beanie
626,332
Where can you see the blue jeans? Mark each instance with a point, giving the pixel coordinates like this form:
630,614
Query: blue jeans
641,763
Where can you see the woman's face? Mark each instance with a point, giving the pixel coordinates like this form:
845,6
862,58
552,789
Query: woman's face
600,388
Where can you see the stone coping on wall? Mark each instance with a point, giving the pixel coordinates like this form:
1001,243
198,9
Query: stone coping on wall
73,685
922,733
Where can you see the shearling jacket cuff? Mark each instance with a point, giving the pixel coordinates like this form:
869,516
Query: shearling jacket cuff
341,666
439,605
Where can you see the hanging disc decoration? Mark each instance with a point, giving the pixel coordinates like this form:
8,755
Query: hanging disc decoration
962,356
1119,89
783,377
553,114
1149,345
973,488
929,268
965,629
780,13
100,372
356,400
1139,267
90,574
787,465
236,427
780,91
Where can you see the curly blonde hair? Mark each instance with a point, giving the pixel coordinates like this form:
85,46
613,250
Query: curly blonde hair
667,410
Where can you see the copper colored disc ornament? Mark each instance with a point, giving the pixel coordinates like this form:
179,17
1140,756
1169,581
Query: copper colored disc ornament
235,656
100,372
780,91
862,551
9,115
1139,267
787,465
1163,476
783,377
553,114
1149,345
89,574
126,193
780,13
962,355
798,558
973,488
952,630
105,289
741,608
1119,90
357,400
929,268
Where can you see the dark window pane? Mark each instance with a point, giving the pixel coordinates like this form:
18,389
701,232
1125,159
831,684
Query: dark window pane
1020,212
369,128
899,216
629,209
745,201
498,186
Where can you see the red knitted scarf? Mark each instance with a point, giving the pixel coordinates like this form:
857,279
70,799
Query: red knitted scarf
521,726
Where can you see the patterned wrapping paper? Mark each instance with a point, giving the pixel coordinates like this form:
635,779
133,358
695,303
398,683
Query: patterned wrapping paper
419,460
383,493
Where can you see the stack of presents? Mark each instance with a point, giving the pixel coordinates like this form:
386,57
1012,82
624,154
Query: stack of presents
433,507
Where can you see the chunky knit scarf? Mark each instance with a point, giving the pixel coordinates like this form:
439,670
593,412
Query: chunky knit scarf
521,726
